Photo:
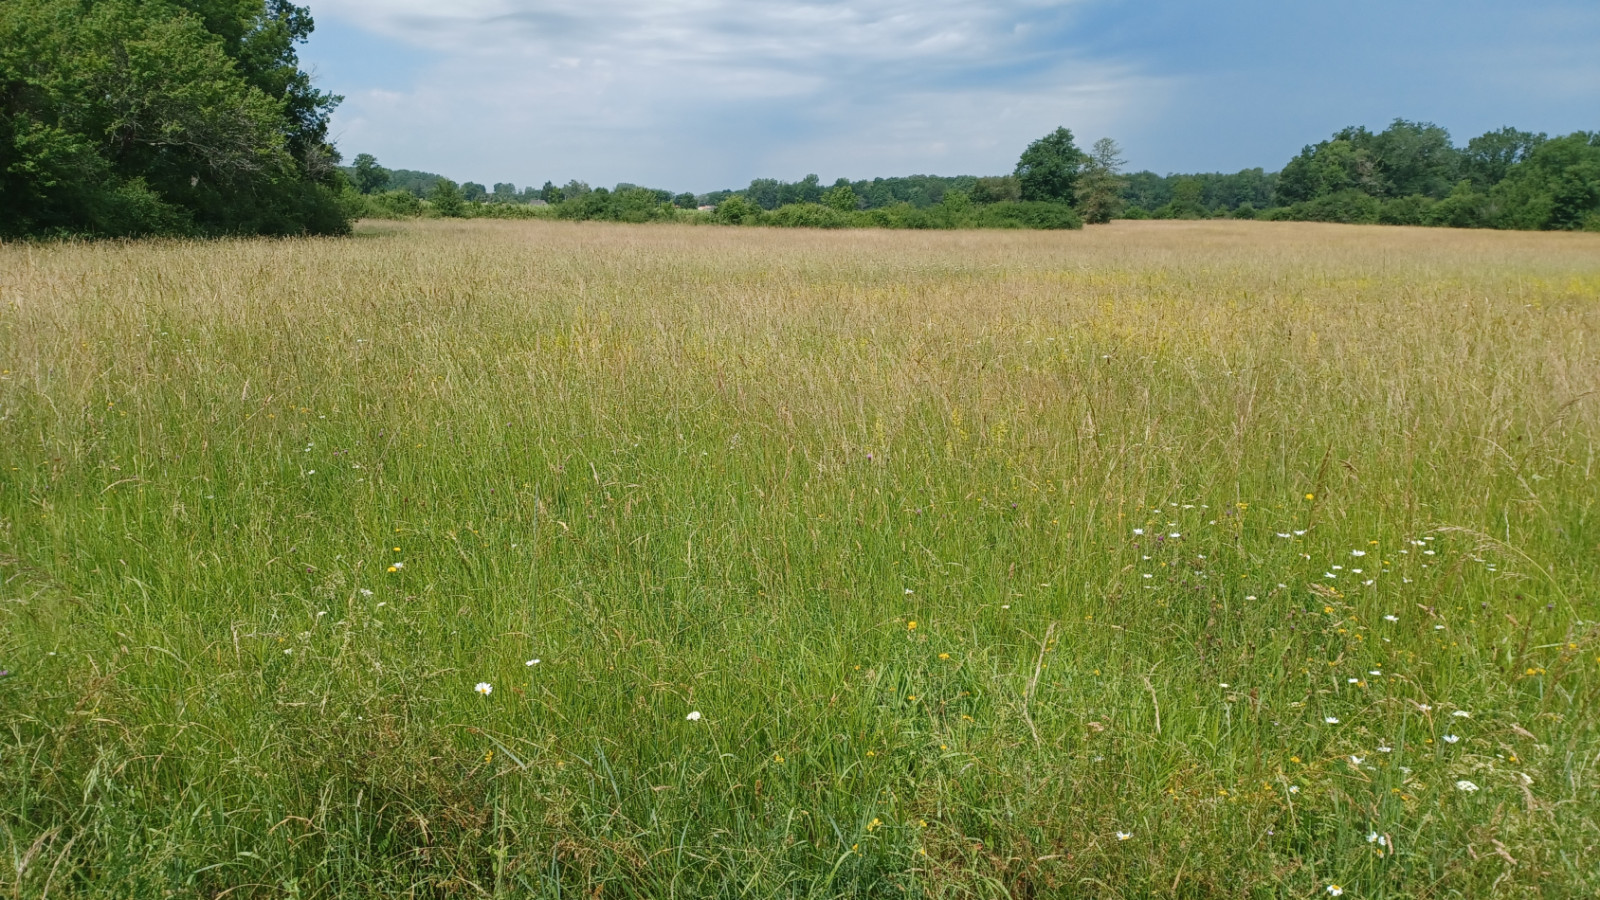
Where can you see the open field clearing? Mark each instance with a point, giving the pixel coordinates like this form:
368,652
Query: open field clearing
466,559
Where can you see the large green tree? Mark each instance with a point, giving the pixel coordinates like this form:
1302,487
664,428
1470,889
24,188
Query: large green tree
1556,188
162,116
370,178
1049,168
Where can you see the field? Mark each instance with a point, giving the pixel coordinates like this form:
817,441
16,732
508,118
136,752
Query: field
541,559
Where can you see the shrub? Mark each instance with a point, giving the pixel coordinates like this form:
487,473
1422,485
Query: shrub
1027,214
806,215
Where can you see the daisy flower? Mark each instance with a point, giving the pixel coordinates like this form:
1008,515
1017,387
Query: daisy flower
484,688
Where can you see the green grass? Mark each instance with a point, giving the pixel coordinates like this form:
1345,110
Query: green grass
868,502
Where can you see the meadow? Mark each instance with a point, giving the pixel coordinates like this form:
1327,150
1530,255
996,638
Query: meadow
554,559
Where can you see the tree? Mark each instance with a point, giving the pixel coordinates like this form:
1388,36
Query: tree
1099,190
1048,169
1330,167
504,192
446,199
996,189
1415,158
1556,188
764,192
1489,157
370,178
146,116
472,192
684,201
1188,200
842,197
550,193
736,210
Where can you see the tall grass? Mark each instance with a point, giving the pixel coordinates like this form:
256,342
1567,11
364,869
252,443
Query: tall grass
1201,560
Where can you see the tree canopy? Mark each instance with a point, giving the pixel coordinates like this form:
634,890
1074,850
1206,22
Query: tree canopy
1048,170
126,117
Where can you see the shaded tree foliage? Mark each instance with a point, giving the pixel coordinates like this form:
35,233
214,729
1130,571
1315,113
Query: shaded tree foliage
125,117
1048,170
1099,190
368,176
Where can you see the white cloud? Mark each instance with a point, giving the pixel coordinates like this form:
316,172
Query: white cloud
698,94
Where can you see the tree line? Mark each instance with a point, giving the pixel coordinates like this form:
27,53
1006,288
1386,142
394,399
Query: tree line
1054,185
1411,173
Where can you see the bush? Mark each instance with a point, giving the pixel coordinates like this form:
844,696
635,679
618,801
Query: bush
736,210
1350,207
806,215
1027,214
1412,210
1464,208
391,205
631,204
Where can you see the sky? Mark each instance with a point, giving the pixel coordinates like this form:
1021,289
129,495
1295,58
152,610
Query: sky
696,95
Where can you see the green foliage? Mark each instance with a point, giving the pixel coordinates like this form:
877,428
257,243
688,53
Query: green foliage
628,204
807,215
1416,158
1026,214
368,176
996,188
419,184
125,118
1187,202
1413,210
1490,157
842,197
446,199
1556,188
1146,192
1048,170
736,210
1464,208
392,205
770,193
1099,191
1349,206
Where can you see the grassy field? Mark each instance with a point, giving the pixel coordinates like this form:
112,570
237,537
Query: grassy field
537,559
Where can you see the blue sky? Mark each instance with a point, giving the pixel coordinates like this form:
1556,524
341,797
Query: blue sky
701,94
